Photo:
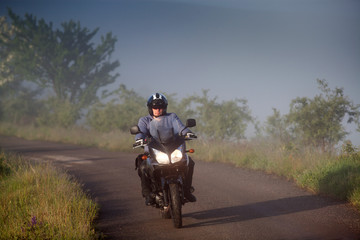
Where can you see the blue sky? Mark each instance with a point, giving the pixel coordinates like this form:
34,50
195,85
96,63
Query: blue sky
266,51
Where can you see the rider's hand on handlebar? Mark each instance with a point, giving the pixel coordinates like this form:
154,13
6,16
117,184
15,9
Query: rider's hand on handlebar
190,135
139,142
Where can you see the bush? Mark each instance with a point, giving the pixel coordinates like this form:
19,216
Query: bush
339,178
58,114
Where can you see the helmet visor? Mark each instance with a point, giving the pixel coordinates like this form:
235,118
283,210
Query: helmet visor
158,104
158,107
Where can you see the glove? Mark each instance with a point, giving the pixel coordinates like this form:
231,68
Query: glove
190,135
138,142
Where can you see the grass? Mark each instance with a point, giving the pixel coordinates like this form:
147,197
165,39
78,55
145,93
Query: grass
114,140
329,174
339,178
262,155
335,175
38,201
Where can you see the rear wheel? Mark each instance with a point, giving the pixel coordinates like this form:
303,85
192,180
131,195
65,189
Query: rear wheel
175,205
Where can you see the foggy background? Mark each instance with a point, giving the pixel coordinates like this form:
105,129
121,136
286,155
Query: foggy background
268,52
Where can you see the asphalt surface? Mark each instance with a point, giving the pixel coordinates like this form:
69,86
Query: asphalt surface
233,203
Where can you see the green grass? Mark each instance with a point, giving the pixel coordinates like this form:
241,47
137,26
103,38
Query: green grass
114,140
329,174
38,201
339,178
335,175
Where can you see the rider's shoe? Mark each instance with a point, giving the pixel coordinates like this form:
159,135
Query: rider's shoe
149,200
190,197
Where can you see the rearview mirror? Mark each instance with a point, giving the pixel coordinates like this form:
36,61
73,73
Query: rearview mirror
134,130
190,122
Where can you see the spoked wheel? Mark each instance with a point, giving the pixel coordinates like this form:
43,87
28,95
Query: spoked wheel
175,205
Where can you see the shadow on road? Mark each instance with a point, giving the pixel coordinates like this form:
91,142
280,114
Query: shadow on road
258,210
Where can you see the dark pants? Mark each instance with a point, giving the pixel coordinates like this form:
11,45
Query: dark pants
144,174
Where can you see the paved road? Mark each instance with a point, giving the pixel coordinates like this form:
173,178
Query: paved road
232,203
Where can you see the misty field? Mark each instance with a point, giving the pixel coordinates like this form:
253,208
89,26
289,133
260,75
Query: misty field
331,174
38,201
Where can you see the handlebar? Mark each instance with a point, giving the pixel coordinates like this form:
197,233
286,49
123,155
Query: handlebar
190,136
136,145
144,142
140,143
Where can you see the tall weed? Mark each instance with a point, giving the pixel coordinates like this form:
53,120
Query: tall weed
339,178
114,140
38,201
325,173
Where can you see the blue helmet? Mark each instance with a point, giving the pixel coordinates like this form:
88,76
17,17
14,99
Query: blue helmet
157,100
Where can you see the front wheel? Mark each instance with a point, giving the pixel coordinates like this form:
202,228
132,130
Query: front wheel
165,213
175,205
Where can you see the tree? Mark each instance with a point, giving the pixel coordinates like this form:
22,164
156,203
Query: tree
18,104
119,113
6,70
226,120
182,108
318,121
276,126
63,60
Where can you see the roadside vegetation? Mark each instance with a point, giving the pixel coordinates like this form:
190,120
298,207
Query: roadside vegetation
332,174
38,201
76,102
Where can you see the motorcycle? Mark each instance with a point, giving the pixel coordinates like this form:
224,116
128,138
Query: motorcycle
168,160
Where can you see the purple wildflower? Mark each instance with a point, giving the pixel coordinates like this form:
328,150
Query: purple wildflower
33,221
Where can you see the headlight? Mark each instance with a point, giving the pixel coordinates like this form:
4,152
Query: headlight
161,157
176,156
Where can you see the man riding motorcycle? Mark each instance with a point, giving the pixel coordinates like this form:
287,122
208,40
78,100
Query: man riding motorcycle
157,106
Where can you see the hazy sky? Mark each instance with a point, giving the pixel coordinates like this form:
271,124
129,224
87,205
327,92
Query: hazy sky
268,52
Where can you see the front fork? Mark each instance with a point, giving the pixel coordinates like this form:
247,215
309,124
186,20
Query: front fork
165,186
